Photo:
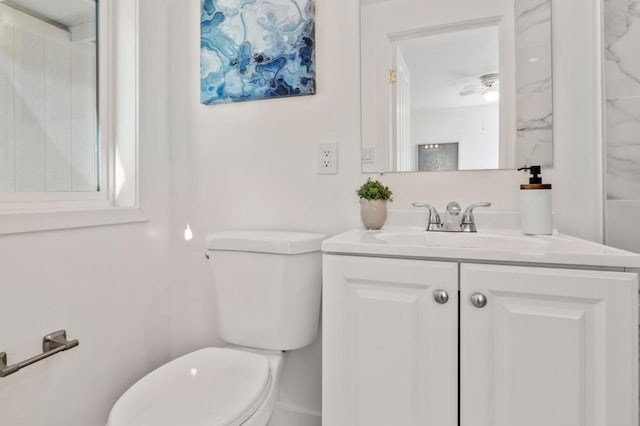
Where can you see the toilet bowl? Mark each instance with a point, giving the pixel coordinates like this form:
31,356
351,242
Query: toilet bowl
212,387
268,290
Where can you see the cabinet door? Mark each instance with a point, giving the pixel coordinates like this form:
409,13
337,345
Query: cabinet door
551,347
390,351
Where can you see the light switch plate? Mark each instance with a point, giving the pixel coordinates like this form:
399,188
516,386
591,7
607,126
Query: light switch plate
368,155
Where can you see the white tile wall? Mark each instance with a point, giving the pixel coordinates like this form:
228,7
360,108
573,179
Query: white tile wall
47,107
28,105
622,77
7,111
622,32
623,148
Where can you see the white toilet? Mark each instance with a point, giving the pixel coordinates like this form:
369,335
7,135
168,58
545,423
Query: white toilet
268,290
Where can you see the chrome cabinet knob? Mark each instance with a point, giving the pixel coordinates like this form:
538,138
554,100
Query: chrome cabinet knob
479,300
441,296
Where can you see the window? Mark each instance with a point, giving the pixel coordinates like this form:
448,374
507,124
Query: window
48,97
61,114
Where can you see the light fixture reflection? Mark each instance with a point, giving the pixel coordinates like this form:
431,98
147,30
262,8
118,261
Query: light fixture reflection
188,234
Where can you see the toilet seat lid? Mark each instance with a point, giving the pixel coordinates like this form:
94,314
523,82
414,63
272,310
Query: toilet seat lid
213,386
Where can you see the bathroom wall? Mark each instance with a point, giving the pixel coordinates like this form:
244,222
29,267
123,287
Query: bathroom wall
108,286
134,301
622,81
475,128
253,165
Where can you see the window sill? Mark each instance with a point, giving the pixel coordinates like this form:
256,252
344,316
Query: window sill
38,221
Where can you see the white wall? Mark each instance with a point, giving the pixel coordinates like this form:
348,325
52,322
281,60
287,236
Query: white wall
108,286
475,128
252,165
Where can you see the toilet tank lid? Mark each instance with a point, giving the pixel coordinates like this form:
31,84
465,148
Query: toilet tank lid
277,242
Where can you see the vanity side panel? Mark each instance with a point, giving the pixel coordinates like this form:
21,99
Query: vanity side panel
552,346
390,351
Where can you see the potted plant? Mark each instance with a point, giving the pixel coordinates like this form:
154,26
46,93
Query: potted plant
374,197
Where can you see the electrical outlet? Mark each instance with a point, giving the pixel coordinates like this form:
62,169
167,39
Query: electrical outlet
328,158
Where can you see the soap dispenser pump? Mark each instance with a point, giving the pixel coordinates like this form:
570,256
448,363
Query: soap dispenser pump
535,204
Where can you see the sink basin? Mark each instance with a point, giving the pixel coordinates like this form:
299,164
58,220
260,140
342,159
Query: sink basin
464,240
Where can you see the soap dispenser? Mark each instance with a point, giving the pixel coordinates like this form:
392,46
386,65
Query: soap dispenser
535,204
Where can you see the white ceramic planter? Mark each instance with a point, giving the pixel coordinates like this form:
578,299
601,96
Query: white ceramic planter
373,213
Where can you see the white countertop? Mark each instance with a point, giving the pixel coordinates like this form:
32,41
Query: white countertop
487,245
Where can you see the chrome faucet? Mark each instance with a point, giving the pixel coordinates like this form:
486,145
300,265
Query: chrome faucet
452,217
455,220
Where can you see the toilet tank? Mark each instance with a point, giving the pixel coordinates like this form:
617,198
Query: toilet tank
268,287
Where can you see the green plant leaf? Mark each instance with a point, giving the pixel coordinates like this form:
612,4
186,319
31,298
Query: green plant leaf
374,190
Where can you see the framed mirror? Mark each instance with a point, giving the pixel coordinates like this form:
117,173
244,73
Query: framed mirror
453,85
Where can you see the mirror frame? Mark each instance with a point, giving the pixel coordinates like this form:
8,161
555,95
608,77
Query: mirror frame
370,111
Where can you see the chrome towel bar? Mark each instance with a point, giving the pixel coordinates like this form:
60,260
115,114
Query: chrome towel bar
51,345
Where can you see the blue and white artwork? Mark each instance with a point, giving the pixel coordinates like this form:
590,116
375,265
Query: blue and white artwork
256,49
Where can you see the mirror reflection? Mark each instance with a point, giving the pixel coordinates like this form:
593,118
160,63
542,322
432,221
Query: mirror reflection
456,94
453,113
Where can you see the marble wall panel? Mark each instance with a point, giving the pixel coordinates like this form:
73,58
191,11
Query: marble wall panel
623,149
622,43
622,125
534,83
622,89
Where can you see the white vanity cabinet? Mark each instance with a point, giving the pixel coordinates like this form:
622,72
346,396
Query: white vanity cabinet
390,352
552,346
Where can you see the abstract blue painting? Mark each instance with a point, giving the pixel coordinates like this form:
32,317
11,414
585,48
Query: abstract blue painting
256,49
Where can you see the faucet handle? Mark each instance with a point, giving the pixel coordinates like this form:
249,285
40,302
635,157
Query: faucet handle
434,223
425,205
468,221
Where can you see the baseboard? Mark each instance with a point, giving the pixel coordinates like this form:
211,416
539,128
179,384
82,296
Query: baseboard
293,416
